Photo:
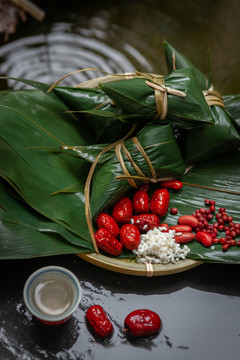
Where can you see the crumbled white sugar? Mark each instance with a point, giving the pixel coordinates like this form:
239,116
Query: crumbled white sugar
158,247
132,221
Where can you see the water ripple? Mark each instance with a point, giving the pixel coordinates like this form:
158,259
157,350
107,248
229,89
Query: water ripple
48,57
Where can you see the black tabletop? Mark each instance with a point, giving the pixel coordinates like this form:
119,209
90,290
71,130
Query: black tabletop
199,309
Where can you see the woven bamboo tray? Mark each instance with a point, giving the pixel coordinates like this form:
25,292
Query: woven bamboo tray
126,266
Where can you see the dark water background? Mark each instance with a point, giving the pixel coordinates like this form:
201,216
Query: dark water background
117,36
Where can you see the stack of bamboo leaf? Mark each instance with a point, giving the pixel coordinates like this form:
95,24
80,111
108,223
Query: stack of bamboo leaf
68,154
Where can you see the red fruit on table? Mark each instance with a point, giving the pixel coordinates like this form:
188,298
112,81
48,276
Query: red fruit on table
99,321
142,322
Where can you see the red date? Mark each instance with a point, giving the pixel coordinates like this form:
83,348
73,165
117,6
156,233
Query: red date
106,221
140,202
130,236
159,202
145,222
142,322
108,243
99,321
122,211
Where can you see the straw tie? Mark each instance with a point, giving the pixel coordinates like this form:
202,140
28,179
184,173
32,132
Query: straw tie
149,269
140,175
213,97
161,91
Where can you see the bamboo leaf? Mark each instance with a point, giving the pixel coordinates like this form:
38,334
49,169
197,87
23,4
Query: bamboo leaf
135,97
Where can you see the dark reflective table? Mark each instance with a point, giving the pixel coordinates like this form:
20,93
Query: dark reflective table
199,309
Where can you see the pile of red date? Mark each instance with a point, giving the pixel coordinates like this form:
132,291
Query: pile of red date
138,323
131,217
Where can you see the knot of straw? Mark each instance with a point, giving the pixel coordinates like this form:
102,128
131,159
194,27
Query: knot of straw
213,97
120,147
160,91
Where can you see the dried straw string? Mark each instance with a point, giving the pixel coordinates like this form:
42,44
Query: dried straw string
213,97
212,188
140,175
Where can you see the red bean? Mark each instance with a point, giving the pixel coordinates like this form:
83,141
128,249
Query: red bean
188,220
225,247
174,211
223,241
205,238
233,242
212,208
165,225
181,228
184,238
172,184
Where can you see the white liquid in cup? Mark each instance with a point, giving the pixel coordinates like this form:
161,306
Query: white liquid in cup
53,295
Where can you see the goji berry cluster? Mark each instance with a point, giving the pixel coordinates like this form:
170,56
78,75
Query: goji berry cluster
224,231
128,218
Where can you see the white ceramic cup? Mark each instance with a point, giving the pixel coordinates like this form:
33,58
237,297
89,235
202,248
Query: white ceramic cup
52,294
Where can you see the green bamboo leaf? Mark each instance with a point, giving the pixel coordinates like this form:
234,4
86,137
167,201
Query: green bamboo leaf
135,97
232,103
176,60
36,174
24,233
95,110
205,142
